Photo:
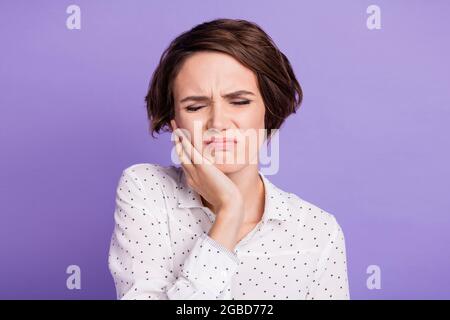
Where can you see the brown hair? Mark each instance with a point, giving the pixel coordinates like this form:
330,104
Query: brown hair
247,43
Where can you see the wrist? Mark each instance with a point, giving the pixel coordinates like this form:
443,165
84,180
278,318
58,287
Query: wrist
232,203
231,212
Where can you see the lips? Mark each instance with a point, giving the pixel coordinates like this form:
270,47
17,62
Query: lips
220,140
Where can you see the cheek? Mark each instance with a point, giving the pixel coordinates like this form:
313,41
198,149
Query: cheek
188,124
253,125
253,118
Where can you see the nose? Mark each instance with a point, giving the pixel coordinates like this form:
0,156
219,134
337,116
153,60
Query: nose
218,118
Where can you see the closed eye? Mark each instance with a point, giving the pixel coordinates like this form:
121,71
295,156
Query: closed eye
241,102
195,108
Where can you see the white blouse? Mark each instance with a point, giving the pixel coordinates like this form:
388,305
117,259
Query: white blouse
160,247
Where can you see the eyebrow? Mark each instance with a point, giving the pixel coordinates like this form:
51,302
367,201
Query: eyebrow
230,95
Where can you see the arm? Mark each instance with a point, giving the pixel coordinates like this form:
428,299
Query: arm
330,281
140,256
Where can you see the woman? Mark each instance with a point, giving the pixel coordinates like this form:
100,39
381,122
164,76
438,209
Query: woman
216,227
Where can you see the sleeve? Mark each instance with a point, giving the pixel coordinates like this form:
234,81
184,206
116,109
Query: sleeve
141,257
331,281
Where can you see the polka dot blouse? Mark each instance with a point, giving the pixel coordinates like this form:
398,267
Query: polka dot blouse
160,247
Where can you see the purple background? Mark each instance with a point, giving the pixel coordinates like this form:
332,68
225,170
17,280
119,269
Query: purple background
370,143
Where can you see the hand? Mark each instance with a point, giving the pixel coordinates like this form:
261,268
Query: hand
204,177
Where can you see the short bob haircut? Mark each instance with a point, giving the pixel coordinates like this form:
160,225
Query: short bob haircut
244,41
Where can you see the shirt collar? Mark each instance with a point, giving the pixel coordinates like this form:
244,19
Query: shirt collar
277,202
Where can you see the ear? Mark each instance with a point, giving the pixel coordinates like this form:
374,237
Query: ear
173,124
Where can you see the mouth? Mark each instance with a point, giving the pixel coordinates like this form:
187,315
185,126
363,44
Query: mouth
220,140
220,143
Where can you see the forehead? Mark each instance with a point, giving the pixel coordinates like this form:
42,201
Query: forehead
213,72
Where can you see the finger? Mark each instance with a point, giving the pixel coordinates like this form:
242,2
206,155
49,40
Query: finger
207,153
185,160
186,163
180,151
187,146
178,147
195,156
186,167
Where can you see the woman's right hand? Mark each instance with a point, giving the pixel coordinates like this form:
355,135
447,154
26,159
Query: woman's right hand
205,178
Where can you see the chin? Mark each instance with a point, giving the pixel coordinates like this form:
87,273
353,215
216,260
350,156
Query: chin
228,167
229,162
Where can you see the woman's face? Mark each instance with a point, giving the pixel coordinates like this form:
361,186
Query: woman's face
216,97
